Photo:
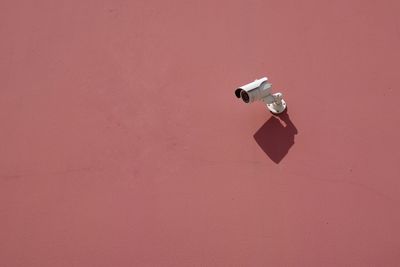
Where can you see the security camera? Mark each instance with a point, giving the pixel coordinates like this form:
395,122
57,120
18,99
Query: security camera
261,90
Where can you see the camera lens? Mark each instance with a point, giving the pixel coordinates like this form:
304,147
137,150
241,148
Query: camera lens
245,96
237,92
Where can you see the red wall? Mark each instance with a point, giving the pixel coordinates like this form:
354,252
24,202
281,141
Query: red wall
122,143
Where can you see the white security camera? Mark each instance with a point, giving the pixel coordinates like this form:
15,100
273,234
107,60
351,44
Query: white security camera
261,90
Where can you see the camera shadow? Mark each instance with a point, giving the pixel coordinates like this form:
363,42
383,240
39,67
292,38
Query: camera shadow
276,137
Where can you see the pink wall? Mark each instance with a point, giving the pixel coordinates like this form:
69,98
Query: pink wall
122,143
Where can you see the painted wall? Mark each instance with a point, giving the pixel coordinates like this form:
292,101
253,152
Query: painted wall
122,143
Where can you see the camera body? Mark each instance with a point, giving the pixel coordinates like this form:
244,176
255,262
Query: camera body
254,91
261,89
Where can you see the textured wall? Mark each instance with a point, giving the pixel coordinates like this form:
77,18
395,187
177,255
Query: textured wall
122,143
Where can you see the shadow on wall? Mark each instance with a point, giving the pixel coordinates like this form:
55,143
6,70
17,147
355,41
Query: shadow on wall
276,137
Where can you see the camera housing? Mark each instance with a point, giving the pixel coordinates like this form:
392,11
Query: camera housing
254,91
260,89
